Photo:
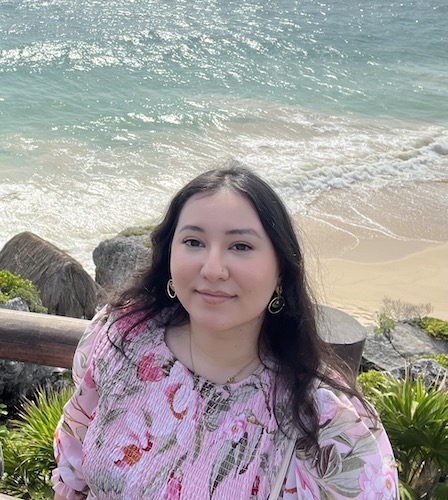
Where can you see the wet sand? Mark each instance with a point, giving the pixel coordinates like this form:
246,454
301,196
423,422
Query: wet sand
363,246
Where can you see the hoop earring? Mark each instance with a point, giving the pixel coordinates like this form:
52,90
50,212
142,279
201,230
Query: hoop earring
170,289
277,302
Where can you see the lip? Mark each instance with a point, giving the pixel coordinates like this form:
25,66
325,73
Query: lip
214,297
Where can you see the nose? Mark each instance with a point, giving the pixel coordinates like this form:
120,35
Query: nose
214,267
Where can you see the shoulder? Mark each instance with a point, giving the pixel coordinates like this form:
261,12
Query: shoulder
345,421
354,457
86,346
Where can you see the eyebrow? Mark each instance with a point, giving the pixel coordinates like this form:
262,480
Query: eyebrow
242,231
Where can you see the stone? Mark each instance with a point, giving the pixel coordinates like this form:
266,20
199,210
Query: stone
118,258
19,380
395,350
17,304
432,372
66,289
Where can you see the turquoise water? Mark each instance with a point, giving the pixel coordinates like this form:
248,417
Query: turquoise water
107,107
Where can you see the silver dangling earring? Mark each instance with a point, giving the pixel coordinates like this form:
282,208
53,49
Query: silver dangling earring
277,302
170,289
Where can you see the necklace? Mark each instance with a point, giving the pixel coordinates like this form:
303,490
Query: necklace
231,379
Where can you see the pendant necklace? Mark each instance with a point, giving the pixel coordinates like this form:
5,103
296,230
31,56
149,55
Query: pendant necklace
231,379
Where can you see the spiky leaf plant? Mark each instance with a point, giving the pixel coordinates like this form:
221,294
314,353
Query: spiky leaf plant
28,448
416,420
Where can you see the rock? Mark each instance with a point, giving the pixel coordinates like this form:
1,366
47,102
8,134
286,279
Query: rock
429,369
65,287
403,344
18,380
17,304
117,259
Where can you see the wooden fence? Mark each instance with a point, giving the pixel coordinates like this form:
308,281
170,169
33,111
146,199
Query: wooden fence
51,340
42,339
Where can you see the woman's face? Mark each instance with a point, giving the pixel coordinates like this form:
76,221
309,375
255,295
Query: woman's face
223,264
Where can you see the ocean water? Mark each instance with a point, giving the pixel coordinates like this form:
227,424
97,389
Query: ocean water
107,108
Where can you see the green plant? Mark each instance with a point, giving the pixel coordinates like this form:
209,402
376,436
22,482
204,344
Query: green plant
385,324
12,286
435,327
134,232
28,445
442,359
415,420
3,428
369,382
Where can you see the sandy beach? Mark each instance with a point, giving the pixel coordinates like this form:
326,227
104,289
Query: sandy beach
376,245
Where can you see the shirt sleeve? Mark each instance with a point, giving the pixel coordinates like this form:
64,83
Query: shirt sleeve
354,458
69,435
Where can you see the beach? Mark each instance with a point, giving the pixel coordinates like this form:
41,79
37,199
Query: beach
107,109
400,254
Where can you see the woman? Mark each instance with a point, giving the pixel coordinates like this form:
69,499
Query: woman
193,383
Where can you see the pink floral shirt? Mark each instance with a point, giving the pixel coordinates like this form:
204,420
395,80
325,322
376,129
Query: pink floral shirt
141,425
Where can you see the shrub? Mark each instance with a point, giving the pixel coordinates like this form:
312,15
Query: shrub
12,286
385,324
28,445
404,311
369,383
415,420
435,327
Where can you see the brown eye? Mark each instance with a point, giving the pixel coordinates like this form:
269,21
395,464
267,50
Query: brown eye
192,242
241,247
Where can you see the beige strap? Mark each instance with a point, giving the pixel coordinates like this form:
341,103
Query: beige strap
277,488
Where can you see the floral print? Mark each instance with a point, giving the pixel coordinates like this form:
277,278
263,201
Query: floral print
377,482
141,425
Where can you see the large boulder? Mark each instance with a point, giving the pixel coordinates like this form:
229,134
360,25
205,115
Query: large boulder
400,346
116,259
19,380
66,289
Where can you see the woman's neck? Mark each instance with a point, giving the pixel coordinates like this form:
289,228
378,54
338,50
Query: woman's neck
223,356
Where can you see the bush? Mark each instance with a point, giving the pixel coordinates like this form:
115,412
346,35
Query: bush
398,310
385,324
435,327
415,420
28,445
369,383
12,286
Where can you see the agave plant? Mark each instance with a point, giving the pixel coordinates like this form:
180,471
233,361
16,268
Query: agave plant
416,420
28,445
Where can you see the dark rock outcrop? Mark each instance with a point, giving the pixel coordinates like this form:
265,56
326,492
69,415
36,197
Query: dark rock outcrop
432,372
399,347
117,259
17,304
65,287
19,380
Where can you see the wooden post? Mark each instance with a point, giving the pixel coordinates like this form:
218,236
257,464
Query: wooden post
39,338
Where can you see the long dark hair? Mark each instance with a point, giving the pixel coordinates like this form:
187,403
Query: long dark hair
290,338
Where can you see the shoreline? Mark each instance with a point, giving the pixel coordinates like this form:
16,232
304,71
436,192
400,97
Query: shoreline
359,288
397,253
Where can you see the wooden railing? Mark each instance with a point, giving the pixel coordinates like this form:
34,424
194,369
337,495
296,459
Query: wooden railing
42,339
51,340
